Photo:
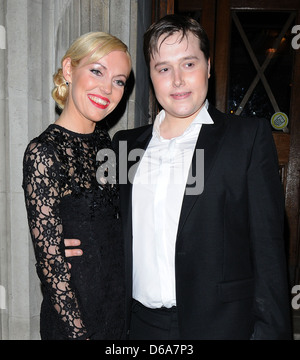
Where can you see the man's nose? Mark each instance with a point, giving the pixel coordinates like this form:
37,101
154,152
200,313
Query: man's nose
178,78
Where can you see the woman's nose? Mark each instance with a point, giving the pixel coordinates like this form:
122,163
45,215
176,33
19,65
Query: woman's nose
106,87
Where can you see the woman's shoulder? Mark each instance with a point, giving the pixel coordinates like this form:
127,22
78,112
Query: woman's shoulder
45,143
40,157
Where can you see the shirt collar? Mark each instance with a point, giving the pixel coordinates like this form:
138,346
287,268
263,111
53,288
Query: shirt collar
203,117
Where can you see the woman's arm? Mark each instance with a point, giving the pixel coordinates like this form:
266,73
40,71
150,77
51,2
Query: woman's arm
41,184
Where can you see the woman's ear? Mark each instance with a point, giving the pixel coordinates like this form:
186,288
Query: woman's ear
67,69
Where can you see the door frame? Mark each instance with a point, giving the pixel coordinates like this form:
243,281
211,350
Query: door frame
288,145
217,23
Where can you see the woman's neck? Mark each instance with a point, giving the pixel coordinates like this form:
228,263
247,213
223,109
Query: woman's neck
72,123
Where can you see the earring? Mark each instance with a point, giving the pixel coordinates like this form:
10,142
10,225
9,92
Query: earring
67,83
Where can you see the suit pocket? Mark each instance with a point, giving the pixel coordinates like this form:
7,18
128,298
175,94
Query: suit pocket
236,290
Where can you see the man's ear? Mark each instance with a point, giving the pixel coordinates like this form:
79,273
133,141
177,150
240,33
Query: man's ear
67,69
208,67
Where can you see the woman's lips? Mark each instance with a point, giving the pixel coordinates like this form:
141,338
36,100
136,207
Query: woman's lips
99,101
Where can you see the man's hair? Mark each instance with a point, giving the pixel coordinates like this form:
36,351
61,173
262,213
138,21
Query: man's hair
167,26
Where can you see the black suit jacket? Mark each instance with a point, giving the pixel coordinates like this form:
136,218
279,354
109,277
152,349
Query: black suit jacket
230,262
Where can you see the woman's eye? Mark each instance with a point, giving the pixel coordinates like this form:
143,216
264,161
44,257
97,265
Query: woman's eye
120,83
96,72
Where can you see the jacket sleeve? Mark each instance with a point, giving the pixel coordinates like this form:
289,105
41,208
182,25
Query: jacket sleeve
266,216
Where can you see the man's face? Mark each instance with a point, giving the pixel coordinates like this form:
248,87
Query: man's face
180,73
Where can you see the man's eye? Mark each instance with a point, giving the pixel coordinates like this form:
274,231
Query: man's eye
163,70
189,65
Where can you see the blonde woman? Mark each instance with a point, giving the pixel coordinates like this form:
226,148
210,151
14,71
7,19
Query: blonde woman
64,198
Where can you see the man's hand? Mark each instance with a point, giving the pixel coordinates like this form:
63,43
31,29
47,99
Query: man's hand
72,252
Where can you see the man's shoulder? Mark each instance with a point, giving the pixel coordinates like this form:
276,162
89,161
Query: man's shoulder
132,133
238,122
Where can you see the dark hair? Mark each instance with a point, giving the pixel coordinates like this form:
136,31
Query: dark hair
168,25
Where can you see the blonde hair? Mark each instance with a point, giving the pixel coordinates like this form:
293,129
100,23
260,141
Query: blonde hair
95,44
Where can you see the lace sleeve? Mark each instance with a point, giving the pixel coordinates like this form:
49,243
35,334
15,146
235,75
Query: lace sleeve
42,197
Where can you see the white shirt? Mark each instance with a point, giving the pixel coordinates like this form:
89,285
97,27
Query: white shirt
157,195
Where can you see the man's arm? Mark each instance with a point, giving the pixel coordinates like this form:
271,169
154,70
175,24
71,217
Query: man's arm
266,220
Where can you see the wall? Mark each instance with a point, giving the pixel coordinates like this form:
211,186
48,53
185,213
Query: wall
37,34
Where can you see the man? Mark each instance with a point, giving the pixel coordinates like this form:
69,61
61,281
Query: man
201,262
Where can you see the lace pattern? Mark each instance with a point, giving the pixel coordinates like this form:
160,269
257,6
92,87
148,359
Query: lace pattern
56,164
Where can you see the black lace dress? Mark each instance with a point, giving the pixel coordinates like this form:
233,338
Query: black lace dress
67,196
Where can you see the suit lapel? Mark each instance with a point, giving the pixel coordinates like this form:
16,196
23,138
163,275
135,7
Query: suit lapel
135,142
140,143
142,140
210,140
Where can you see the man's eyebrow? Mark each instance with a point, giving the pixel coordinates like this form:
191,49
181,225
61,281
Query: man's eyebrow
160,64
191,57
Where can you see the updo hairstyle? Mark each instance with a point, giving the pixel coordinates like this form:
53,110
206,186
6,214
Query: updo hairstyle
95,44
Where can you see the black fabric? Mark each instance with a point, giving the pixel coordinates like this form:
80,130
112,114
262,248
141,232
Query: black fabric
65,200
230,260
153,324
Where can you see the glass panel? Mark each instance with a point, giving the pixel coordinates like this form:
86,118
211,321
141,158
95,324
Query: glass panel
194,14
190,8
261,29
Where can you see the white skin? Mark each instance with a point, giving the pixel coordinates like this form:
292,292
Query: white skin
102,81
179,72
94,90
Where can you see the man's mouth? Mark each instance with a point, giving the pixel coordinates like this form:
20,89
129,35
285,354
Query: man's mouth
99,101
181,95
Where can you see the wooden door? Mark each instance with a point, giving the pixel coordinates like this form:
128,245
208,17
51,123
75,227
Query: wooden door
256,72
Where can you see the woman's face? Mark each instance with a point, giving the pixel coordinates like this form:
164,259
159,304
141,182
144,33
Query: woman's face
96,89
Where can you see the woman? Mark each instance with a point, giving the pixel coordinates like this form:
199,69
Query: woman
65,199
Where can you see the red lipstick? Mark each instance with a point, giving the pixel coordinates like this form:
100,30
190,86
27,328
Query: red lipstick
99,101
